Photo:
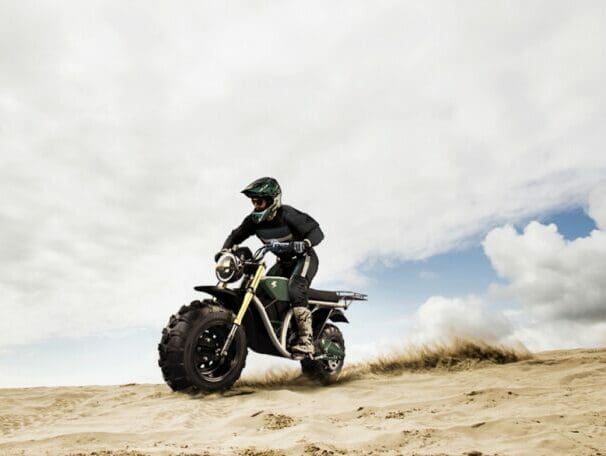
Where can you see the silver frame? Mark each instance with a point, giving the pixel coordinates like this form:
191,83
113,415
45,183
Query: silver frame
280,344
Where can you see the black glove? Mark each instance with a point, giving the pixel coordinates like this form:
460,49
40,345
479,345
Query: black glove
299,247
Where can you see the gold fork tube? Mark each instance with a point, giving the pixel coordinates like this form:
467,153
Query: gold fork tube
250,293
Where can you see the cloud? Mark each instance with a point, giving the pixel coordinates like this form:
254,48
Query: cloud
441,319
554,278
553,295
597,206
560,285
561,334
406,130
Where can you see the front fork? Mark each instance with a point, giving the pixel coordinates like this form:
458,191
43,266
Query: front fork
250,292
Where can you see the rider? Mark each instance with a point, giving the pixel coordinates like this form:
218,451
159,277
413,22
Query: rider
271,221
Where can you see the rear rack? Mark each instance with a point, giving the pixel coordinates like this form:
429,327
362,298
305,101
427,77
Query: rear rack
352,295
345,300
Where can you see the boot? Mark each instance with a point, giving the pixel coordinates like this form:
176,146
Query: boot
304,346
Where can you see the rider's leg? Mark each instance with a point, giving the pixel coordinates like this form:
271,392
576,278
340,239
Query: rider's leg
298,285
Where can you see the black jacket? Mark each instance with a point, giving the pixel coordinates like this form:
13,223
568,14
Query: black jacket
289,224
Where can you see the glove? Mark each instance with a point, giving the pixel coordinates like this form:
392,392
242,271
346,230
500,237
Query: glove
299,247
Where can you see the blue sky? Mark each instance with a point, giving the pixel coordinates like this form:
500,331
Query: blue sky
404,285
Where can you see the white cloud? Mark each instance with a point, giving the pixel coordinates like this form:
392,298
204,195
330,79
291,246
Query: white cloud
554,278
559,284
127,131
560,334
554,296
441,319
597,206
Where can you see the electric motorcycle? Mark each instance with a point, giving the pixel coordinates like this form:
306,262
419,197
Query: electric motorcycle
204,346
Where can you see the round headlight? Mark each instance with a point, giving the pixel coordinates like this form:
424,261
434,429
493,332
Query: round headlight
228,268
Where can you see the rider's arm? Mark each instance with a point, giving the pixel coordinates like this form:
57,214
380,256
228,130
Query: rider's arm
315,236
240,234
304,225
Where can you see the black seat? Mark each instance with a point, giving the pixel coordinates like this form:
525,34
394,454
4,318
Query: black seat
319,295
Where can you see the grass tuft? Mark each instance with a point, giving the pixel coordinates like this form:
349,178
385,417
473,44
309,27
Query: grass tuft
457,355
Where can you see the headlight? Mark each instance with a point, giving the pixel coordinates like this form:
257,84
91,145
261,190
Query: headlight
228,268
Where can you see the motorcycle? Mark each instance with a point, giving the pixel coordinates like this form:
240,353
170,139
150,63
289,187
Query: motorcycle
204,346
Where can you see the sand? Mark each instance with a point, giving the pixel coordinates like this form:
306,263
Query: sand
551,404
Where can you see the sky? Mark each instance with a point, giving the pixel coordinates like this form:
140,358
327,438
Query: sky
452,153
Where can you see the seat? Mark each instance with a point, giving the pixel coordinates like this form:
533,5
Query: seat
320,295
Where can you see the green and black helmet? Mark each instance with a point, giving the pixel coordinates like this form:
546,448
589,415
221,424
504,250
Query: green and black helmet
269,189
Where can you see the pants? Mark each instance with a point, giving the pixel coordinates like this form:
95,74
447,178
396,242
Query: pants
300,271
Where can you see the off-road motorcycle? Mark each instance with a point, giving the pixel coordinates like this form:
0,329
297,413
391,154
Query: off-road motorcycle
204,346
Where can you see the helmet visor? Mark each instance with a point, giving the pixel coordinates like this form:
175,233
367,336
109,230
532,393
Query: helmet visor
260,204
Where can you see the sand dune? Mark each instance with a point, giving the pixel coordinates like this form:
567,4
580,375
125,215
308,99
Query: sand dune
461,404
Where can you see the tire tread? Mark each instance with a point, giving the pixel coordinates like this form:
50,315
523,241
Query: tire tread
171,348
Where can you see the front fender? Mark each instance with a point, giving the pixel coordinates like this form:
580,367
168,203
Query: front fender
228,297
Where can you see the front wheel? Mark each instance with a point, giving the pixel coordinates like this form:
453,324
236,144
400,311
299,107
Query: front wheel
191,345
329,356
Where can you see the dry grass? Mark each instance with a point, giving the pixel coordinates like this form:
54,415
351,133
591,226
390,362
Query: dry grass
459,354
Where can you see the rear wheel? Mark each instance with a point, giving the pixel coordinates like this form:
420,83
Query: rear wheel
329,356
191,345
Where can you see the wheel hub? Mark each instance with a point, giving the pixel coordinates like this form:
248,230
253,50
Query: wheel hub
332,354
208,350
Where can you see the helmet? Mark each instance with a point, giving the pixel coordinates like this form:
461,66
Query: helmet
268,188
